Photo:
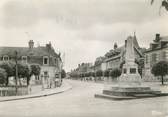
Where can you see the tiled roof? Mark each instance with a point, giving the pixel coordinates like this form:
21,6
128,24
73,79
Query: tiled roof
115,52
99,60
25,51
156,45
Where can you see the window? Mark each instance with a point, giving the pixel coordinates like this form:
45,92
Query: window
163,55
6,58
24,59
46,60
132,70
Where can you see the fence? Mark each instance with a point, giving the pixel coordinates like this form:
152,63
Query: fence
11,90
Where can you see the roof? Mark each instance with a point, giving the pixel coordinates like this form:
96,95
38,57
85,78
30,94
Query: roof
115,52
25,51
164,38
99,60
157,45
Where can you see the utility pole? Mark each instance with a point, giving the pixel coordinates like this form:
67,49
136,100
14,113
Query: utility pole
60,67
16,70
60,70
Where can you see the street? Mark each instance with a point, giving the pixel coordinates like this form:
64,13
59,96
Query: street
80,102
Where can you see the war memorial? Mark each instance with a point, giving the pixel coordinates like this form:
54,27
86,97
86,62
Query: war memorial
129,85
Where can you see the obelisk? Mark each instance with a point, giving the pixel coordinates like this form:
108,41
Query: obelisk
130,73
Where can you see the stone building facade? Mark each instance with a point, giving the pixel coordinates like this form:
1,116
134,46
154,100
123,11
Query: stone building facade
158,51
45,56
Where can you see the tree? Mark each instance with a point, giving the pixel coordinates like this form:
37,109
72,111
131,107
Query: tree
87,74
24,71
3,76
35,70
99,73
160,69
93,74
116,72
164,3
140,65
106,73
9,69
63,73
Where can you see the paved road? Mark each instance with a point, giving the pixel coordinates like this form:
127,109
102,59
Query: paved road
80,102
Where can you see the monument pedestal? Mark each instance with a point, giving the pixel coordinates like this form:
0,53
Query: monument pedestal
129,85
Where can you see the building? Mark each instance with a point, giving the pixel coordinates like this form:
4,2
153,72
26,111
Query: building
100,64
45,56
84,67
116,56
158,51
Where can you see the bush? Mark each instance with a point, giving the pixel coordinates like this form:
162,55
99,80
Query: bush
115,73
160,69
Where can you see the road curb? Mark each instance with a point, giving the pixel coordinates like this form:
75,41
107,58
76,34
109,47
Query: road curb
37,96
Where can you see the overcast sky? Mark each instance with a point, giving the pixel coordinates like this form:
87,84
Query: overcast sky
82,29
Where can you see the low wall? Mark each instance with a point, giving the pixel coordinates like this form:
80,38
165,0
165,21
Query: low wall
11,90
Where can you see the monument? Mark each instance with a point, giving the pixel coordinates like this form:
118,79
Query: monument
130,73
129,85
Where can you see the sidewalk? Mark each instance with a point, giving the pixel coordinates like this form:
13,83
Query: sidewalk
47,92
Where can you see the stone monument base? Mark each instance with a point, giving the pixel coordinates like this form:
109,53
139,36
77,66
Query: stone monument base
126,92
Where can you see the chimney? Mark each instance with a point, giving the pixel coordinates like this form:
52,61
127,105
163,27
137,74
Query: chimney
115,46
48,46
125,43
157,38
31,44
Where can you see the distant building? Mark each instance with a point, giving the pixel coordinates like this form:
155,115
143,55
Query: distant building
45,56
158,51
116,56
100,64
84,67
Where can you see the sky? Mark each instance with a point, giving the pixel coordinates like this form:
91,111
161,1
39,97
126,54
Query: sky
82,29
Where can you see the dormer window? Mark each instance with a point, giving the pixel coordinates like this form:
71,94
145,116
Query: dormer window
24,59
6,58
45,60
